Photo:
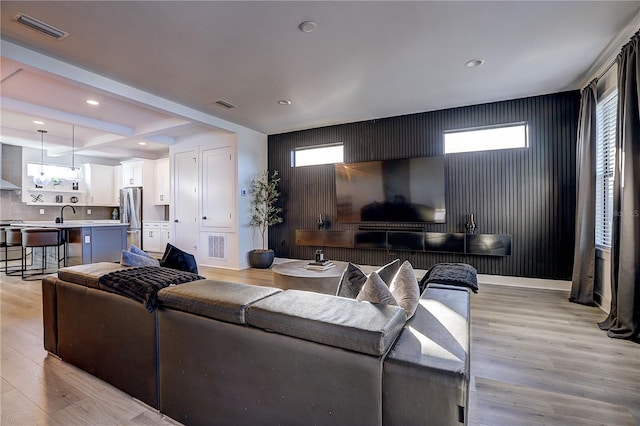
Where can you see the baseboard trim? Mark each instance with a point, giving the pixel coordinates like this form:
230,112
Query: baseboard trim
539,283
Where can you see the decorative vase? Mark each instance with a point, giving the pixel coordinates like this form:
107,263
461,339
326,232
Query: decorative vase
470,226
261,258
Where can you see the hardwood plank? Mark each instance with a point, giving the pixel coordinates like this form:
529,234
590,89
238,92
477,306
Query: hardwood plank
535,359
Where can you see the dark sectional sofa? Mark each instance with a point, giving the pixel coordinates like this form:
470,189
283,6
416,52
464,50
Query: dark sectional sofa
225,353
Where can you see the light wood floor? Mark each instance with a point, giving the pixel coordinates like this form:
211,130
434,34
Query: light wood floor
536,359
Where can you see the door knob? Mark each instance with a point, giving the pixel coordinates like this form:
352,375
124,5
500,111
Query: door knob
204,218
176,221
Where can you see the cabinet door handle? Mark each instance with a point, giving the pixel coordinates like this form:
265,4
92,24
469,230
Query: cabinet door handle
204,218
161,197
130,181
176,220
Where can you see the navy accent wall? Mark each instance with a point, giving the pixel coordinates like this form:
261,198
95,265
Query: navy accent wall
528,193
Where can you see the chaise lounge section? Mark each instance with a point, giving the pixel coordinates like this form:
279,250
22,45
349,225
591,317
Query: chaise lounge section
226,353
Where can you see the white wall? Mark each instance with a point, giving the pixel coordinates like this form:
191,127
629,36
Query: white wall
251,157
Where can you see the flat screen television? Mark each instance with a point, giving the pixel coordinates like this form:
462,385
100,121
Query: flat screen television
405,190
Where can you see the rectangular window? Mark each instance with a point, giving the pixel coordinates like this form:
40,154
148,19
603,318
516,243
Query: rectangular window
322,154
514,135
54,171
606,112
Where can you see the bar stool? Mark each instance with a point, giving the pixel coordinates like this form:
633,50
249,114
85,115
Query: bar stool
12,238
41,238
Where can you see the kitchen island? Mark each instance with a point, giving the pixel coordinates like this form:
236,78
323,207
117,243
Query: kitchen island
88,241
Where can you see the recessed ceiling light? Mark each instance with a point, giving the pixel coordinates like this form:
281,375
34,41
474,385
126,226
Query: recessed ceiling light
307,26
474,63
142,143
93,102
284,102
38,122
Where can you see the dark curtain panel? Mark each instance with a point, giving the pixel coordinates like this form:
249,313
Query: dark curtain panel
624,319
585,243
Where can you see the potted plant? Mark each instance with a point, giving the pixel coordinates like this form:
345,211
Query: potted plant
264,213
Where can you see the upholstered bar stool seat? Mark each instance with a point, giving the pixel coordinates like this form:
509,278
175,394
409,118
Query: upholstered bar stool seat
41,238
12,238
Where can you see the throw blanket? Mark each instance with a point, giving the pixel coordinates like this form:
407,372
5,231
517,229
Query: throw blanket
142,284
459,274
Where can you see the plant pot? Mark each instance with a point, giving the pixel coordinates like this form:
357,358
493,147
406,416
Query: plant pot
261,258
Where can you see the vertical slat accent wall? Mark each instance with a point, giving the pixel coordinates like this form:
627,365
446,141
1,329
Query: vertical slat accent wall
528,193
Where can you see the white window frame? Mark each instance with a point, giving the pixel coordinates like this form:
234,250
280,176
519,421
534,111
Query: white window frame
487,138
53,170
318,154
606,133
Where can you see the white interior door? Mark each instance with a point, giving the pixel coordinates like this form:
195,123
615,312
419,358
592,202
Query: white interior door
218,188
185,196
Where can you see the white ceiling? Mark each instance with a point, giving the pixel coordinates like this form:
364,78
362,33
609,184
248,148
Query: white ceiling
365,60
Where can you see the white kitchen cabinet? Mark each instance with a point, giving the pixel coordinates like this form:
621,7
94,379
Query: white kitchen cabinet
117,182
155,236
162,182
99,184
165,234
132,173
152,236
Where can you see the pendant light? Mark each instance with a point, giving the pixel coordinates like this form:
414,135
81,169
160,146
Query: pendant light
42,179
73,153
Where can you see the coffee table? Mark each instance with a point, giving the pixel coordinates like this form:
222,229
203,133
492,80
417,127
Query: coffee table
294,275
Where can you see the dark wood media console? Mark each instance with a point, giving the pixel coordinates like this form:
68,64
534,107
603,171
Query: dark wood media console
476,244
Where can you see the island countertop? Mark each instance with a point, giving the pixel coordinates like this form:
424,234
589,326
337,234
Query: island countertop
87,241
69,223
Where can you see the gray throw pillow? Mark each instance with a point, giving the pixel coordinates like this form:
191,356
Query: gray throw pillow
375,290
353,278
136,250
405,290
132,259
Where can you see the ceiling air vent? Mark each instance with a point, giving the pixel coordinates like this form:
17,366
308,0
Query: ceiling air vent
225,104
42,27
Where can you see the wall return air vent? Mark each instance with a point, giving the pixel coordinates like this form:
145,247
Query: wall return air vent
40,26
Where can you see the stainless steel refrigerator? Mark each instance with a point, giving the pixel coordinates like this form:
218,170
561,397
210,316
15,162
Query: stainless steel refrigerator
131,213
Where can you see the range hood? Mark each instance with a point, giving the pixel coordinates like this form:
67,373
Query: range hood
7,186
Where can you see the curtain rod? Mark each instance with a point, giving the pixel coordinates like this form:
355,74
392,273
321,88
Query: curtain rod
606,70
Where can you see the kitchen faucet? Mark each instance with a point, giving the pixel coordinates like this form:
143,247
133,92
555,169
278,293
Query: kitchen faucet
62,211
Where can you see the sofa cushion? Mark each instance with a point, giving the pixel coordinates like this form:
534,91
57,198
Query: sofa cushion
329,320
175,258
353,278
214,299
88,275
129,258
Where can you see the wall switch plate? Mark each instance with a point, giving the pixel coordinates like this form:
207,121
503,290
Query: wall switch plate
41,211
88,211
87,239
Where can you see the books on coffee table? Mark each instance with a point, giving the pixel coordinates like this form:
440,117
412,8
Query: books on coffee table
320,266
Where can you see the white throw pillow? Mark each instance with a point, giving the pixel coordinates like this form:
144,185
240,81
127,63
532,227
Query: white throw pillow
376,291
405,290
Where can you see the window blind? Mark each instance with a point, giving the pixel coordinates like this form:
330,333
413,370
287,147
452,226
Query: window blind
606,112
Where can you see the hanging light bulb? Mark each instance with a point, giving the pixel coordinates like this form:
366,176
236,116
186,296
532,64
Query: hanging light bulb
42,179
73,154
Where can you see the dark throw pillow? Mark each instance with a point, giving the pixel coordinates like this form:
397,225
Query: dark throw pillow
351,282
175,258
